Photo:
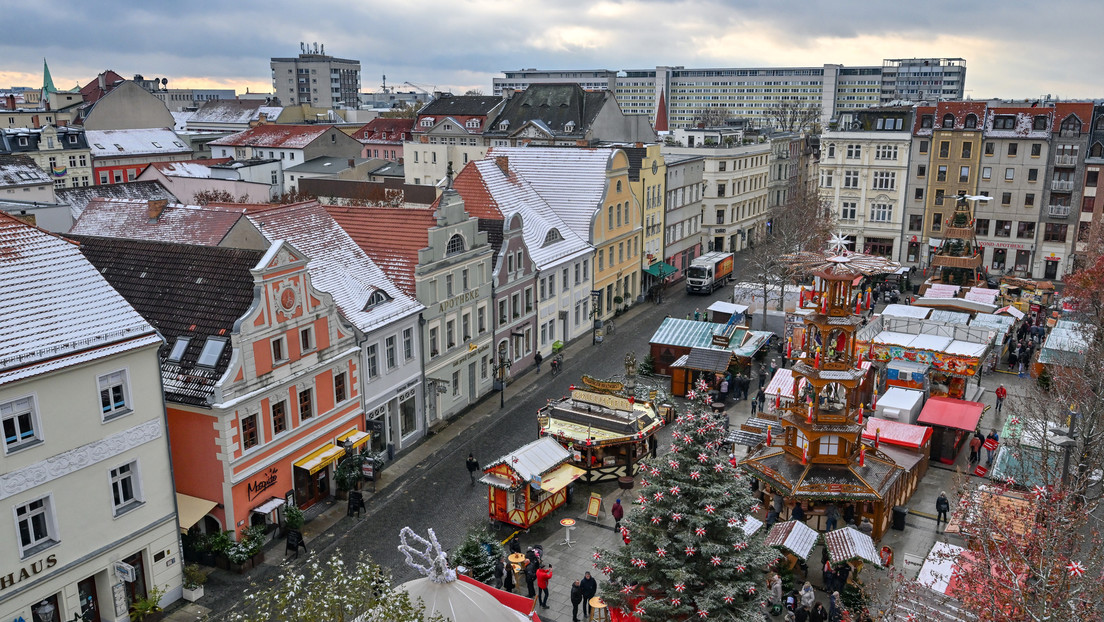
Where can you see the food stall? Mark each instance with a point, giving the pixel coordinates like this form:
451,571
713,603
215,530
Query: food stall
720,312
676,338
705,363
901,405
904,374
606,435
908,445
952,362
528,484
952,422
1027,295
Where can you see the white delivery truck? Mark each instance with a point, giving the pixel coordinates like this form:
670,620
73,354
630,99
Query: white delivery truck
708,272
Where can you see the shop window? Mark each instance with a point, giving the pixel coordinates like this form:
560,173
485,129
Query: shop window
408,420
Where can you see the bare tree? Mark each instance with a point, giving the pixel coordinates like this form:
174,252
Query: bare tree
794,116
803,222
474,92
407,111
709,117
204,197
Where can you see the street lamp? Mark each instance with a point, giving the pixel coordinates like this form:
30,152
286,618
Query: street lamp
501,366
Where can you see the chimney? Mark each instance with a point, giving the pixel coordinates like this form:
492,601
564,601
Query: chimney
154,208
11,102
103,83
639,145
352,162
34,122
503,163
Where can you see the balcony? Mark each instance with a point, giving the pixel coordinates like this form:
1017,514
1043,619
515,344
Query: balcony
1061,185
1065,160
1058,211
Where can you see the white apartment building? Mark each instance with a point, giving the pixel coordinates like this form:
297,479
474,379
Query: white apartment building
89,521
863,173
683,219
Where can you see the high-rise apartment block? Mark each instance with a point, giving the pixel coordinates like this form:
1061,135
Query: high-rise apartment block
750,92
316,79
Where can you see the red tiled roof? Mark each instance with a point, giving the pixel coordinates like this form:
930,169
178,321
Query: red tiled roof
396,130
288,136
1083,110
392,237
91,92
477,199
920,112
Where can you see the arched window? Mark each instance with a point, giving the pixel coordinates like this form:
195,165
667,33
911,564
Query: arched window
552,237
619,185
1097,150
1072,125
948,121
971,121
831,150
377,297
1100,122
455,245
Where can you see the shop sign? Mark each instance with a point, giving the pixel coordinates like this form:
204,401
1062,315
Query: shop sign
367,469
264,482
614,402
1014,245
126,572
26,572
602,385
456,301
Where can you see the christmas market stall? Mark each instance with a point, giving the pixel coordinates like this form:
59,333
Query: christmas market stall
1028,455
848,544
527,484
676,338
820,456
952,422
794,537
606,435
908,445
721,312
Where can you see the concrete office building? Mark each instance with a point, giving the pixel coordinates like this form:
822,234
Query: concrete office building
317,79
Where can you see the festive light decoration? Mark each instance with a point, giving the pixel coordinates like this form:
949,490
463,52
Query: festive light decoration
862,455
877,437
699,531
1076,569
768,435
690,551
816,361
789,347
809,416
805,455
859,419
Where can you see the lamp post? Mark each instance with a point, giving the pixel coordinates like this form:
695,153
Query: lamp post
501,366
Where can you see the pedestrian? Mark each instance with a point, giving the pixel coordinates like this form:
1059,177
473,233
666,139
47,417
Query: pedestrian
942,506
831,516
576,600
835,607
514,546
697,315
500,567
754,405
849,513
775,592
762,377
745,385
772,517
818,614
798,513
537,358
531,574
829,577
761,397
543,575
724,390
975,445
473,467
773,367
617,512
590,588
801,614
866,526
508,579
993,436
808,597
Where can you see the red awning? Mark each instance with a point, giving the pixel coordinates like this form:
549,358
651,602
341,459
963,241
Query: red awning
952,413
516,602
897,433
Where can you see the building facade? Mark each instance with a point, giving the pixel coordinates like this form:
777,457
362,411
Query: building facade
683,207
60,151
1066,169
90,515
121,155
317,79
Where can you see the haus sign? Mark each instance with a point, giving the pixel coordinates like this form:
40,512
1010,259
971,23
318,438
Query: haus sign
28,571
264,482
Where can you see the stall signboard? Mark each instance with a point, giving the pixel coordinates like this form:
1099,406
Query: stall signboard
594,506
615,402
939,361
368,469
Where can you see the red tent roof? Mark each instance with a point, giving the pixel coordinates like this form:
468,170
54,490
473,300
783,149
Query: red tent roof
952,413
897,433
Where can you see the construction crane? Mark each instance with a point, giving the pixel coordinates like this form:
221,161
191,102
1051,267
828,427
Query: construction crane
422,87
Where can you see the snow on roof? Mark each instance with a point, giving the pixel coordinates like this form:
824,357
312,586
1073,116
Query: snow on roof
78,197
391,236
571,181
183,169
896,310
283,136
535,458
515,195
337,265
204,225
21,170
116,143
180,119
41,326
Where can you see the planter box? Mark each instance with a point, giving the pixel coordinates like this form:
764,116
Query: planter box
221,561
242,567
193,595
257,559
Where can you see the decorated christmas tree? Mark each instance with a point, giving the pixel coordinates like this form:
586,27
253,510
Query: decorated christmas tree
687,555
478,553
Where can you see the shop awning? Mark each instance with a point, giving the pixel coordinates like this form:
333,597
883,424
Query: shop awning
797,538
357,437
951,413
192,510
558,479
660,269
320,458
896,433
270,505
1010,310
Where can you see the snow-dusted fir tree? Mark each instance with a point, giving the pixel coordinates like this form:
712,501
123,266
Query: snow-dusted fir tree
687,555
477,553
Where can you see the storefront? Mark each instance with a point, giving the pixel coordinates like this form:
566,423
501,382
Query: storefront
313,475
526,485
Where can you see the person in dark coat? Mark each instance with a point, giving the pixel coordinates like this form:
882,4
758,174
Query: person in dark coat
508,579
818,614
473,467
537,358
531,575
617,512
590,588
761,397
576,600
798,513
942,506
500,569
849,513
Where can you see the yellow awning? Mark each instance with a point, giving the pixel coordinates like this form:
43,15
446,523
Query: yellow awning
192,510
558,479
320,458
356,436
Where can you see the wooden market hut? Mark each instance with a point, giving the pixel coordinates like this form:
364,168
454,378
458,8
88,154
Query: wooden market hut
606,435
952,422
908,445
529,483
676,338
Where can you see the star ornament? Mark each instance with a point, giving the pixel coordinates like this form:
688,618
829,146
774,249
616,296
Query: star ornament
656,520
658,495
700,531
673,464
676,517
695,474
716,561
728,599
702,613
680,587
751,589
741,568
1039,491
709,509
627,589
675,490
662,552
703,458
733,522
607,570
718,467
597,556
676,601
1076,569
838,244
690,551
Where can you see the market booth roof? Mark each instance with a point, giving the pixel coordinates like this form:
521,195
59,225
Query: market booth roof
849,543
534,460
793,536
870,482
192,510
729,308
661,269
952,413
897,433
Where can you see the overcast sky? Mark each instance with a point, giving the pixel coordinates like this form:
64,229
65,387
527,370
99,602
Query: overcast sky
1013,49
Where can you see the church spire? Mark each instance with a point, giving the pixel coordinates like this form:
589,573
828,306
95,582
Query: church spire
47,80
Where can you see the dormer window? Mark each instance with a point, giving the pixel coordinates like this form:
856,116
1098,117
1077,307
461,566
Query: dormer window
505,125
455,245
377,297
212,349
552,237
427,122
1071,125
1039,122
1004,122
971,121
948,121
926,121
178,349
569,126
472,124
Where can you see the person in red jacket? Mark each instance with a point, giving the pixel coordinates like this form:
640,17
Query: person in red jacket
618,512
1001,393
543,575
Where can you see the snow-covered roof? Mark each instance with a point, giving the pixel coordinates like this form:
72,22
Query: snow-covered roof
21,170
78,197
180,119
116,143
274,136
896,310
55,307
337,265
571,181
205,225
183,169
535,458
234,112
